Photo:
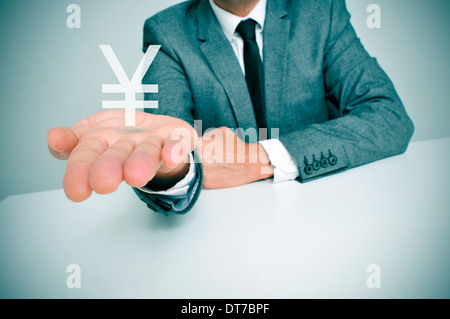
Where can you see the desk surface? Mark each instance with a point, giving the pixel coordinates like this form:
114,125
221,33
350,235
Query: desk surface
288,240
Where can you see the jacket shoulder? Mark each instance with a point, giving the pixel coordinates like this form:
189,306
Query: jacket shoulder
318,6
175,16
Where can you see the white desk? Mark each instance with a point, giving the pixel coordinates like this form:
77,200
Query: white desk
289,240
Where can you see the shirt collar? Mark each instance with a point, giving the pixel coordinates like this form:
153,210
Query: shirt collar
229,21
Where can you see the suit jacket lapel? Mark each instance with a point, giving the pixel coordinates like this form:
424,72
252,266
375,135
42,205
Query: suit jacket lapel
220,56
275,41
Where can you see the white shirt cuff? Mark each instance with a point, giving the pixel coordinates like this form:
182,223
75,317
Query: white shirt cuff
180,188
285,167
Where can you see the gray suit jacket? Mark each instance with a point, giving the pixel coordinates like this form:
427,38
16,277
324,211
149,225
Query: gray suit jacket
334,106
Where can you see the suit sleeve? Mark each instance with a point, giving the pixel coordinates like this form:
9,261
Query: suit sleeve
174,99
371,121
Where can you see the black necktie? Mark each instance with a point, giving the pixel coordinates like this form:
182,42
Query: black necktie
254,72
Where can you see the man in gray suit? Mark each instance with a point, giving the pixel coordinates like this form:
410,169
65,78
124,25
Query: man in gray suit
295,68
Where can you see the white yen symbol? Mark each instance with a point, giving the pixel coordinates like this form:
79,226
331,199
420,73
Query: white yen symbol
130,87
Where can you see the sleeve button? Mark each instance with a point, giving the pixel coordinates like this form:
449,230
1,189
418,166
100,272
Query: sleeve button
333,160
309,170
316,165
323,161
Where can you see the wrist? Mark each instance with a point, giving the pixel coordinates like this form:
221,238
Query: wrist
165,179
262,169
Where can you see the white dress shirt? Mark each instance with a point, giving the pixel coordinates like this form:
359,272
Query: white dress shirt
285,167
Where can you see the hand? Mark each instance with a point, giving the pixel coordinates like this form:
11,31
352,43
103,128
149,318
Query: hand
102,152
228,161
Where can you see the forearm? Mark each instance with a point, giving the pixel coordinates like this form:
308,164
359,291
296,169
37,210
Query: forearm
377,129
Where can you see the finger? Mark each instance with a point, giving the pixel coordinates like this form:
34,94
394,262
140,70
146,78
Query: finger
76,179
177,147
142,165
174,153
107,172
61,141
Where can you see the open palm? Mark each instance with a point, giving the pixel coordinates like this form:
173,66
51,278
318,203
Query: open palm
102,152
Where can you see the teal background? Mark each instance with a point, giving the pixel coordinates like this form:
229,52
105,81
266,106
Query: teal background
52,76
